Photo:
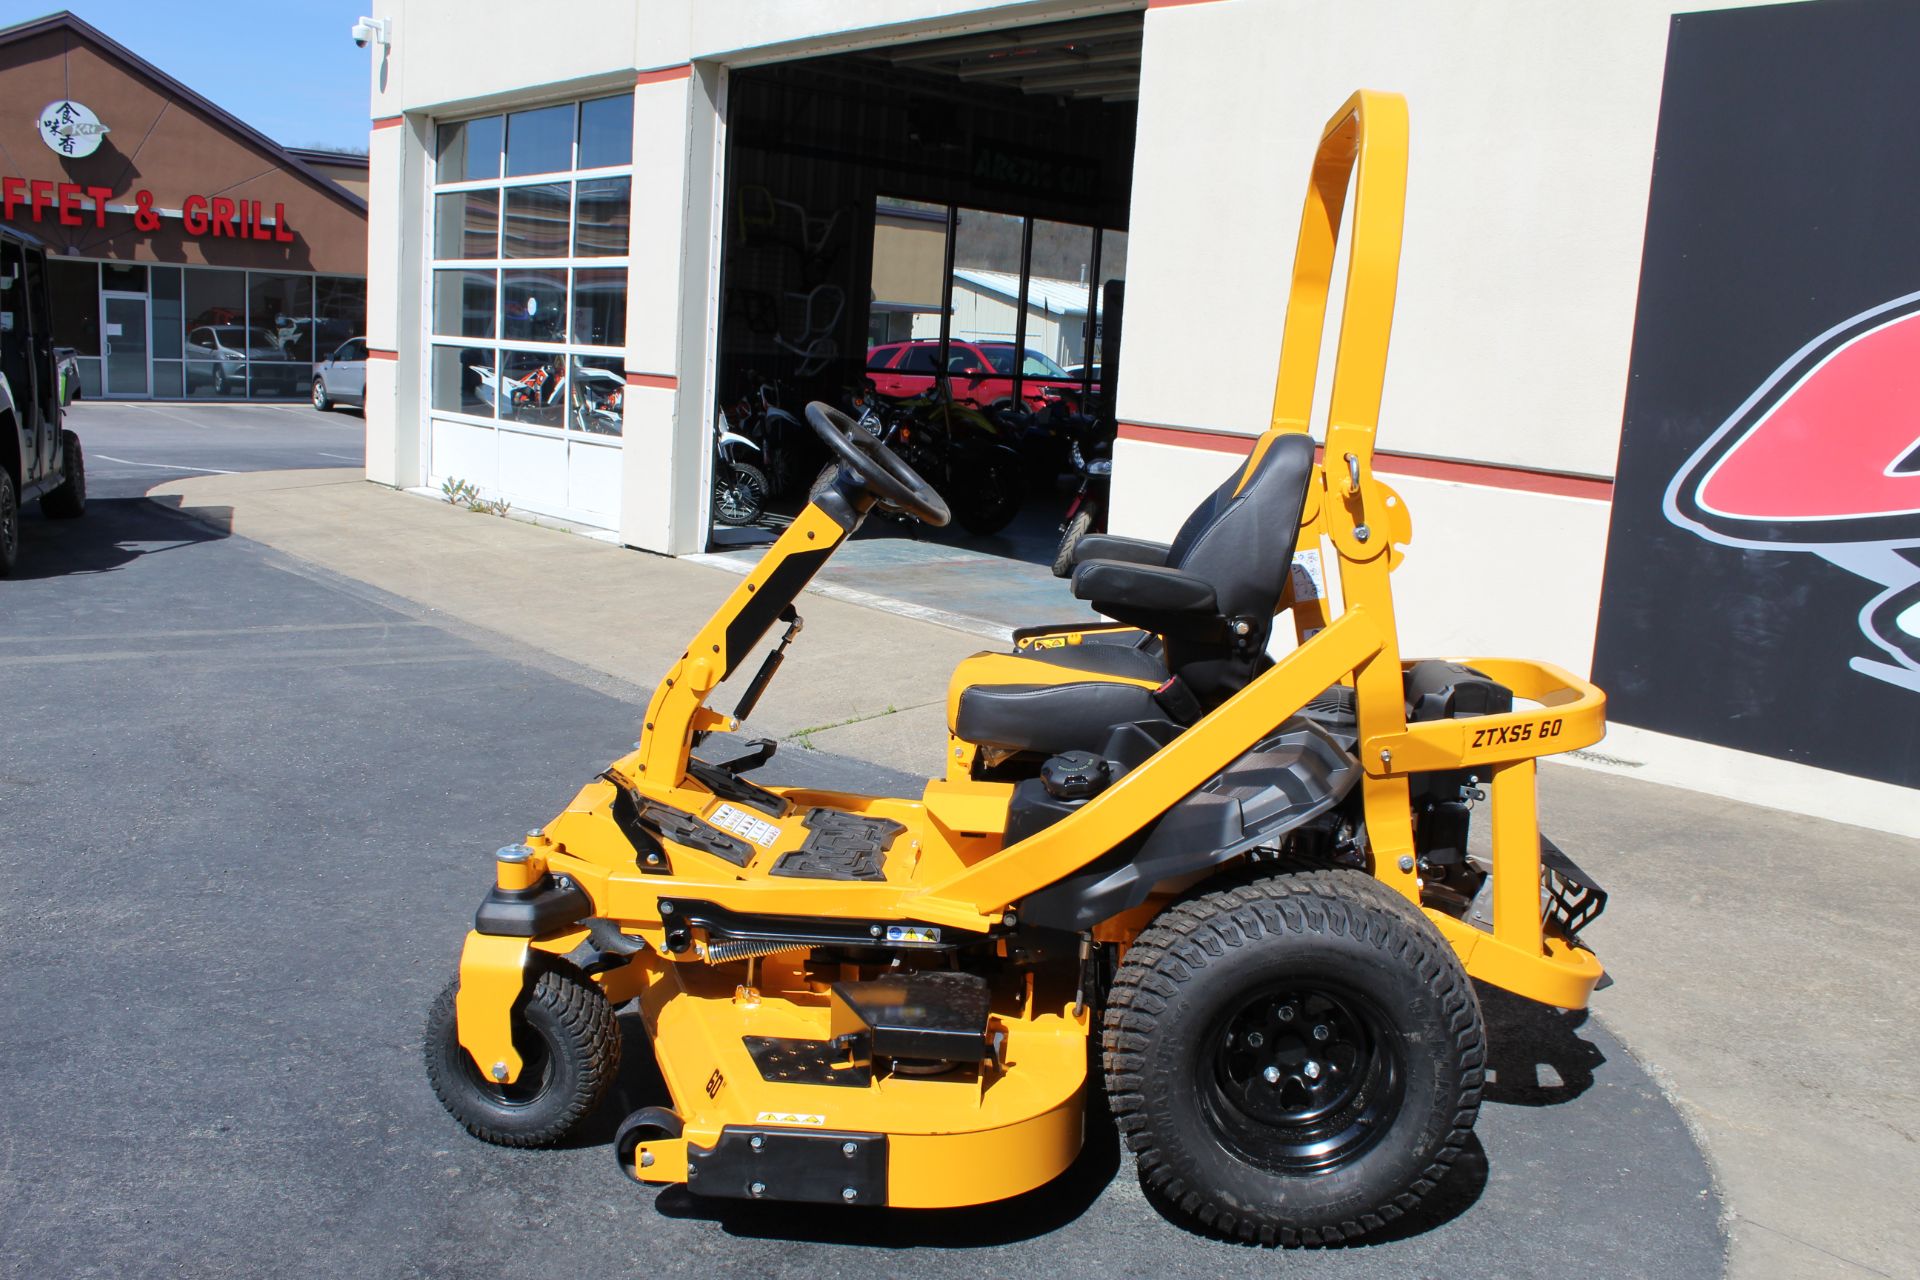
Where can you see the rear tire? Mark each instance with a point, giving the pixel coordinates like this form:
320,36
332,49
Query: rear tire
987,496
1077,528
565,1033
9,523
69,501
1296,1060
739,493
822,482
321,400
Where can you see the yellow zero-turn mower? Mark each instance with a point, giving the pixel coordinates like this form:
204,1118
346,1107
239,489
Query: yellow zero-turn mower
1249,877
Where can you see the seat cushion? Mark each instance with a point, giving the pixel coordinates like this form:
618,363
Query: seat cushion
1052,700
1051,718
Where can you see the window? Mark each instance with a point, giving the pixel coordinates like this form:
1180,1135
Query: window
531,224
1020,314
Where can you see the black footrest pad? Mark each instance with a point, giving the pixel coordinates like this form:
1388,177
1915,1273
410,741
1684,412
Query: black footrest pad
840,846
783,1061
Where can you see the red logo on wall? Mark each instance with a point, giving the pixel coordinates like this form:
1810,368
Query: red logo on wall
202,217
1825,458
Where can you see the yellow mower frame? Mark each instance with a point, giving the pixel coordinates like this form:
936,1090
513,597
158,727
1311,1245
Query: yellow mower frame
993,1135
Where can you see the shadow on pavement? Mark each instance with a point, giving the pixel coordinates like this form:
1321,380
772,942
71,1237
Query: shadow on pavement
1535,1054
1536,1058
113,534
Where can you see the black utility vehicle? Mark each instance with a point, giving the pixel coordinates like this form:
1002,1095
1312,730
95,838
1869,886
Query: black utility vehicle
38,459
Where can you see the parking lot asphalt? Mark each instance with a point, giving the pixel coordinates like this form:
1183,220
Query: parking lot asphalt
133,445
249,809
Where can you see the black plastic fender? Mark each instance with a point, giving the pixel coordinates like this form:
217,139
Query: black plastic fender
1289,778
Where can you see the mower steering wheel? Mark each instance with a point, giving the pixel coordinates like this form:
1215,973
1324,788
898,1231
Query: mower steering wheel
877,468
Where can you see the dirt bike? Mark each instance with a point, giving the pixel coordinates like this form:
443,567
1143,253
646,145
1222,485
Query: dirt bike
739,488
1091,455
959,449
784,443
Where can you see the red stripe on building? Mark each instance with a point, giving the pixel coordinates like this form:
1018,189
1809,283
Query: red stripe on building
663,381
377,353
388,122
664,74
1169,4
1188,438
1487,474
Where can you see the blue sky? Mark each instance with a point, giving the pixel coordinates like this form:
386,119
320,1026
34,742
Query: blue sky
288,68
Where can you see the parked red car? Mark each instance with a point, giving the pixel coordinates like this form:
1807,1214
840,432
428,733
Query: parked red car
981,373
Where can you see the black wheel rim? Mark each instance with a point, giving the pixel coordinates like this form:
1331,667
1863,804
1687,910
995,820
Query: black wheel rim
737,499
1301,1078
536,1073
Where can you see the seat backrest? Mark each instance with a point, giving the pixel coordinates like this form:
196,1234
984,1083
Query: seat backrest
1241,539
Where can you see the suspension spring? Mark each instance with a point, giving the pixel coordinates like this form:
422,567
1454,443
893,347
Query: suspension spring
725,952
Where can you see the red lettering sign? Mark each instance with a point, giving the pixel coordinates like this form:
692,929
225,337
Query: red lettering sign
41,200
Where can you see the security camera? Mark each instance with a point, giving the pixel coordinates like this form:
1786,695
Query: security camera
369,30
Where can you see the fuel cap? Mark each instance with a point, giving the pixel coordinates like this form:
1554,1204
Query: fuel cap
1075,775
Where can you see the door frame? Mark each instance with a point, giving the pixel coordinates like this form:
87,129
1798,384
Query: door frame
107,391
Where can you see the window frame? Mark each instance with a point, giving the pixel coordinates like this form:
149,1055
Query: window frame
568,264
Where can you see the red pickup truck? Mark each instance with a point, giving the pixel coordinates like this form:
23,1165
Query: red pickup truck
981,373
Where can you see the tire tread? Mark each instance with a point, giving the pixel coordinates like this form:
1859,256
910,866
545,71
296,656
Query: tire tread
1177,946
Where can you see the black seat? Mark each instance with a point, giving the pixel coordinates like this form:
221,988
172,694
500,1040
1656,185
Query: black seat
1210,595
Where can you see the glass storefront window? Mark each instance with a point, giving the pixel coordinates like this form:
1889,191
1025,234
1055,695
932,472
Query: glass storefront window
577,228
282,307
461,380
601,218
600,307
167,378
606,132
540,141
532,388
466,224
1059,286
167,318
339,311
76,309
533,305
463,303
470,149
909,253
536,221
120,277
1021,309
596,389
217,337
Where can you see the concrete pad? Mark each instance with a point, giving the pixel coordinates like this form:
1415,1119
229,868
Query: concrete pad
912,739
1763,971
613,610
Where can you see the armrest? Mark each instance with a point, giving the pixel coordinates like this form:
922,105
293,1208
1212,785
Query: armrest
1144,594
1106,546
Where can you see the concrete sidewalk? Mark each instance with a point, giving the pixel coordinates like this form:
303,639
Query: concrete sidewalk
1759,957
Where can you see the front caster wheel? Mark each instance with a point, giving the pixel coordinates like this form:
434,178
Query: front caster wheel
569,1043
1295,1061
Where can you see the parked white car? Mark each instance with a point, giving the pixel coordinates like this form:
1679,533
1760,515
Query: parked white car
342,377
224,356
